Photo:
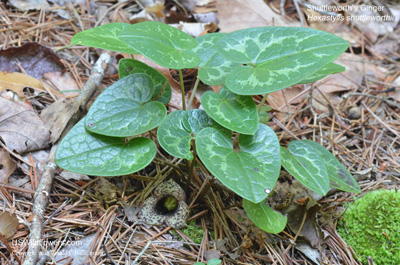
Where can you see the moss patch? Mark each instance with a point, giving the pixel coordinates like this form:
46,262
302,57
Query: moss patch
373,227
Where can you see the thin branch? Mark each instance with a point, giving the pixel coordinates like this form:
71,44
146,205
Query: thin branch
43,191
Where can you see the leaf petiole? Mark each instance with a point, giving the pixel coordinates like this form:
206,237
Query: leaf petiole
182,89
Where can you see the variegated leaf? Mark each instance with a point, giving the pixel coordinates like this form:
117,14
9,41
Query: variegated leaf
339,177
330,68
162,89
125,108
179,128
264,217
235,112
305,164
163,44
88,153
104,37
249,171
214,68
273,58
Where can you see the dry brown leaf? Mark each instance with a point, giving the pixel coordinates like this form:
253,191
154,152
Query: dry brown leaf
156,9
334,85
26,5
33,58
8,224
18,81
196,29
236,14
63,82
176,100
22,130
11,96
56,117
76,252
284,100
7,166
373,29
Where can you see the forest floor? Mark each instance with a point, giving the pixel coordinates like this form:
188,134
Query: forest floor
354,114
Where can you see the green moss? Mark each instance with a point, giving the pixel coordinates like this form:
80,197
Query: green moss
373,227
194,232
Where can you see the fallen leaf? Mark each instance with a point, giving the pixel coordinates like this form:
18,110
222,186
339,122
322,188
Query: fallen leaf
219,244
156,9
333,86
73,176
78,250
196,29
56,117
388,47
34,58
130,211
208,17
309,230
26,5
235,14
286,197
372,29
176,100
212,254
285,100
16,82
189,5
39,157
106,191
63,81
7,166
22,130
8,224
311,253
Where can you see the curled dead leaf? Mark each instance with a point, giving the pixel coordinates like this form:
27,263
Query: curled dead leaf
21,130
7,166
16,82
8,224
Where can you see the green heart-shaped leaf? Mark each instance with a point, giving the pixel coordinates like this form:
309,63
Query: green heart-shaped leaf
330,68
179,128
214,68
163,44
305,164
247,172
339,177
235,112
273,58
264,217
162,89
124,109
93,154
104,37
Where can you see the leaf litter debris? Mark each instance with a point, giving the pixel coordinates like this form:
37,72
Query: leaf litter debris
356,118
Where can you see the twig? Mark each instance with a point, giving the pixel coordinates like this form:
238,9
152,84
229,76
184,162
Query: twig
43,191
379,120
142,252
284,128
296,4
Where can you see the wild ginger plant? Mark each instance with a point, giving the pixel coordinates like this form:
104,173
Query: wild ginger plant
227,136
